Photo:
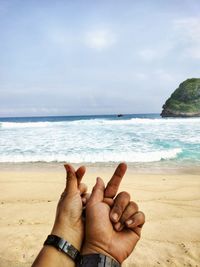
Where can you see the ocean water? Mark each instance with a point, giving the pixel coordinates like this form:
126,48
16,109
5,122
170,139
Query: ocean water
76,139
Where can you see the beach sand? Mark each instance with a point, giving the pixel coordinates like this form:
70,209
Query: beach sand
170,200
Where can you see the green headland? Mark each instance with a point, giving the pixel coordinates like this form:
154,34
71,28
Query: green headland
184,101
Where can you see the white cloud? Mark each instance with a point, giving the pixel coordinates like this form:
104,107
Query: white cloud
189,31
159,52
100,39
164,76
190,28
58,36
194,52
141,76
148,54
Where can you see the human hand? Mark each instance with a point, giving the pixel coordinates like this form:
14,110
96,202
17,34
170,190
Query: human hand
69,222
107,233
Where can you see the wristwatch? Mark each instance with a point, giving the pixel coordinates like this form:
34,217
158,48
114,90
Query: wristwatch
96,260
62,245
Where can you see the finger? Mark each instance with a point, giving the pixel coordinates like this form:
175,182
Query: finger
130,210
113,184
118,226
85,198
108,201
136,221
97,192
82,188
71,182
120,203
63,195
80,173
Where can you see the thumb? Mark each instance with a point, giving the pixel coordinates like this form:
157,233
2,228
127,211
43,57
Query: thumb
71,180
97,192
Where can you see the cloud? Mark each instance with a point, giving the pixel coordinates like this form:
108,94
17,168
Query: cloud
141,76
159,52
189,32
100,39
190,28
163,76
194,52
148,54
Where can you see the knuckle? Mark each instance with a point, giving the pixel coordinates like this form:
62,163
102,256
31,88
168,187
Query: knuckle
111,189
83,187
124,217
133,205
124,194
117,209
139,219
143,218
113,185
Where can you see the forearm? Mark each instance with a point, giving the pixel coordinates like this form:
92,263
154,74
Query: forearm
51,257
56,250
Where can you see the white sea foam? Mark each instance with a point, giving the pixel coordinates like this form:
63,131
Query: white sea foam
100,140
98,122
96,157
29,124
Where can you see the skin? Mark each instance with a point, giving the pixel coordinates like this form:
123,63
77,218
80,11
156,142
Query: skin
112,230
68,222
107,228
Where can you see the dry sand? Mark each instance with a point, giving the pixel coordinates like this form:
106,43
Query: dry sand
171,202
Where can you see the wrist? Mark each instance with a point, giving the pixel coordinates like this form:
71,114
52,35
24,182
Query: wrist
93,249
73,237
97,260
51,257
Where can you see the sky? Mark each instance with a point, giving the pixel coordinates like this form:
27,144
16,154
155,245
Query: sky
85,57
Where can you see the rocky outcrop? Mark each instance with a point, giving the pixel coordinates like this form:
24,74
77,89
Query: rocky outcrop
185,100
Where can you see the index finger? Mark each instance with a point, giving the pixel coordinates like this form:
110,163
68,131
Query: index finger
113,184
80,173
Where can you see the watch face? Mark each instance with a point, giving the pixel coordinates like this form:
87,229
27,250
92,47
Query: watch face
70,250
62,245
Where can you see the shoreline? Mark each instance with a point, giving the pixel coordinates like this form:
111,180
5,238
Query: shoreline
161,167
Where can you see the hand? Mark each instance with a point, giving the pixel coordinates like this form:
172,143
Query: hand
107,233
69,222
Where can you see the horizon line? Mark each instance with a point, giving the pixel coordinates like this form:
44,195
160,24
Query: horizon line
86,115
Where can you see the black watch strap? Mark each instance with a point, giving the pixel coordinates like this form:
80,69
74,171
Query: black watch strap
97,260
62,245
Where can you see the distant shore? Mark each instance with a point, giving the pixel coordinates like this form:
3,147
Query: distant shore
169,198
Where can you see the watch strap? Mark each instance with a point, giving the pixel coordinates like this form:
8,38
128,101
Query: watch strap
97,260
62,245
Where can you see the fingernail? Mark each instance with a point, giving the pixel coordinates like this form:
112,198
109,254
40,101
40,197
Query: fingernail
84,200
67,168
118,226
115,216
129,222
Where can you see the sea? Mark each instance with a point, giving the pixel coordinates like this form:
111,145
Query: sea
143,138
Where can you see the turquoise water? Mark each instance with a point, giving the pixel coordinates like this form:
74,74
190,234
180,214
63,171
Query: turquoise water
131,138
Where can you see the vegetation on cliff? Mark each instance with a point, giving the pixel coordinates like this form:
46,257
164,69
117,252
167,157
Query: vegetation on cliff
185,100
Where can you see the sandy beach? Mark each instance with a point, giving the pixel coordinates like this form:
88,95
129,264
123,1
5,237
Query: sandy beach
170,200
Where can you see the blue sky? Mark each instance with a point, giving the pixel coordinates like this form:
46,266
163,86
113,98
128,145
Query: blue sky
95,57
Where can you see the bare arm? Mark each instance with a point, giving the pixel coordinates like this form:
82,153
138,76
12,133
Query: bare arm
68,222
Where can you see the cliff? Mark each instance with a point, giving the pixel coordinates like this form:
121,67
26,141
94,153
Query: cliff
185,100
